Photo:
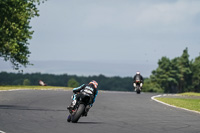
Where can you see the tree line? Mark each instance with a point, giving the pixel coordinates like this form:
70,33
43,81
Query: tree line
105,83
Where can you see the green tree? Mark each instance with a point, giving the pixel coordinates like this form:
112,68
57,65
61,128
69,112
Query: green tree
172,75
196,75
15,30
150,86
26,82
184,71
162,77
72,83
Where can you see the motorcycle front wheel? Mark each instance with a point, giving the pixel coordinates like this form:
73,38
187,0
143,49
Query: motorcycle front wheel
138,91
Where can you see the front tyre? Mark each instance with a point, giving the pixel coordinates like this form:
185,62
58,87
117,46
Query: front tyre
69,118
138,91
78,113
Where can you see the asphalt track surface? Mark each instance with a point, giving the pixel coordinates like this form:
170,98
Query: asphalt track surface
44,111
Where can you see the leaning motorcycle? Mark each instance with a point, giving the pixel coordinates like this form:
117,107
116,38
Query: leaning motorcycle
80,107
138,88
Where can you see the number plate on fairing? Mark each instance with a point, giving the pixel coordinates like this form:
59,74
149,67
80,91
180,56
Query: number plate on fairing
88,91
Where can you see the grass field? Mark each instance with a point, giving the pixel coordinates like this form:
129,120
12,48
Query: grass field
189,101
34,88
190,94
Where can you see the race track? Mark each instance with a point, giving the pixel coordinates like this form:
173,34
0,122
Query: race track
44,111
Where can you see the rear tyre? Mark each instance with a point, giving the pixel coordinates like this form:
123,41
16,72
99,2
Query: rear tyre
78,113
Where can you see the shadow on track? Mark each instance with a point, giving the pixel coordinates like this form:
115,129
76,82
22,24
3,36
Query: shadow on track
90,123
17,107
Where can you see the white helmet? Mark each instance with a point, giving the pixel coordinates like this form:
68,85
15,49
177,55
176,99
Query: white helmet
137,72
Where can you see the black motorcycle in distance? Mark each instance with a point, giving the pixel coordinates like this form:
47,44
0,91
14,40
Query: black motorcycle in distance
138,88
80,107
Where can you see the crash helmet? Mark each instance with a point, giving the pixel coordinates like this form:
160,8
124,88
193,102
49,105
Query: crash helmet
137,72
93,82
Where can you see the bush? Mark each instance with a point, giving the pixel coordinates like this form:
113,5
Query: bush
26,82
72,83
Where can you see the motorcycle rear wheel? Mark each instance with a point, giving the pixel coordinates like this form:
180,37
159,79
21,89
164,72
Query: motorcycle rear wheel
79,112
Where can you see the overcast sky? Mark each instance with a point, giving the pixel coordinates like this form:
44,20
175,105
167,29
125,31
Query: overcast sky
116,31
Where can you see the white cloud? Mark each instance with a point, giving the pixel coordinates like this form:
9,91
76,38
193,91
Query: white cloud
141,15
170,13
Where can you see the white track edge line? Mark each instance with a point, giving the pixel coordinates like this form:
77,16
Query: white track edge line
2,131
153,98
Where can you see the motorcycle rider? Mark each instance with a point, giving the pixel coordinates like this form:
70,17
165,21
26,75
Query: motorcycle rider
138,77
91,89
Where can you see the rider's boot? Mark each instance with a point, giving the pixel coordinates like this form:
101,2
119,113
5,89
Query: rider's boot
72,105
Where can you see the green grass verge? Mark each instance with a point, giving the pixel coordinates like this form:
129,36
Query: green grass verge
191,104
190,94
34,88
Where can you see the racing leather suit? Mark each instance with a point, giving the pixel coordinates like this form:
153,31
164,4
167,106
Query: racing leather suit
138,77
90,89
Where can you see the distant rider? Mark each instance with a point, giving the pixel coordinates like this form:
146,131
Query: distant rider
136,78
91,89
